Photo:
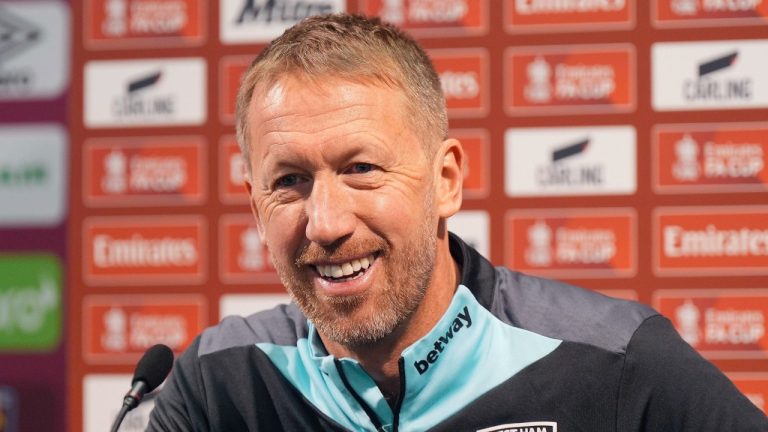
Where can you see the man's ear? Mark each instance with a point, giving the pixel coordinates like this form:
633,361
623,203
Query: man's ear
248,182
451,161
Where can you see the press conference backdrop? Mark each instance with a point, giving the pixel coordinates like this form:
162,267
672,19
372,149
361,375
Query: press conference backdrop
619,145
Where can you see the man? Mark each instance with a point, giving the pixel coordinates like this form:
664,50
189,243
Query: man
398,325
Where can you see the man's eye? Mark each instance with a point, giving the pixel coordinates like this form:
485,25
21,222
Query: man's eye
289,180
361,168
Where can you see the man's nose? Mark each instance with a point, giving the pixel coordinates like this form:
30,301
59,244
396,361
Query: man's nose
330,216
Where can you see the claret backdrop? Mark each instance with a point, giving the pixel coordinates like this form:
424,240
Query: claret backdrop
619,145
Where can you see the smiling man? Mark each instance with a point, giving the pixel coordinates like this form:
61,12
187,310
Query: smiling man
397,324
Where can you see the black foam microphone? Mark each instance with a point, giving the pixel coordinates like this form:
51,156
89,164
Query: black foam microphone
150,372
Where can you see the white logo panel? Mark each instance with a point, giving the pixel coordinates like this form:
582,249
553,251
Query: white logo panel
710,75
100,391
473,227
247,304
594,160
260,21
33,178
34,49
162,92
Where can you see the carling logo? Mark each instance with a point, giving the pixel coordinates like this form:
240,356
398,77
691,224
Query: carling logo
144,171
117,329
598,160
569,79
710,75
144,250
249,21
143,23
559,15
33,174
702,13
464,77
134,93
572,243
719,323
706,158
711,240
34,49
424,18
243,257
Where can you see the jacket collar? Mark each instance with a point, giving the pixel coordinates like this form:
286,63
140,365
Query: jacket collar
477,273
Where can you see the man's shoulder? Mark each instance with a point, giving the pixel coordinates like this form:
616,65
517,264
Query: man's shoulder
566,312
282,325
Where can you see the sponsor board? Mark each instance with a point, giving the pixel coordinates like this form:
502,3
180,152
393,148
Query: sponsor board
247,304
709,75
556,16
473,226
696,241
30,303
118,329
100,391
719,324
754,385
569,79
34,49
243,258
708,13
260,21
144,171
712,157
432,18
144,250
231,70
572,243
9,409
33,174
477,167
465,78
589,160
232,172
114,24
139,93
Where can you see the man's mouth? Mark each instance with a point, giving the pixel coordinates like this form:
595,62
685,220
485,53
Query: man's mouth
345,271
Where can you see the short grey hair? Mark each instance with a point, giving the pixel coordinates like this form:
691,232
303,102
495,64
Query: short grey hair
356,48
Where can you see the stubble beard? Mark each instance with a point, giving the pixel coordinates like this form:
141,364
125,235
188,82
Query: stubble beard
344,320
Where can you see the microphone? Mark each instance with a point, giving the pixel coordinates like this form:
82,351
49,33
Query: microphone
150,372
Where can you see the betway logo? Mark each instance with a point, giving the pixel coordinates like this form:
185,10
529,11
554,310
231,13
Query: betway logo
462,320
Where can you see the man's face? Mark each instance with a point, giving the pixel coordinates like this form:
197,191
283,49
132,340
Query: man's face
344,195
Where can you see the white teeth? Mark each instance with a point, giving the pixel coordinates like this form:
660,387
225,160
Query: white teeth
336,271
345,269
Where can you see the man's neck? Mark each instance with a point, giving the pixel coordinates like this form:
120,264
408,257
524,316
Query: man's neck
381,360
